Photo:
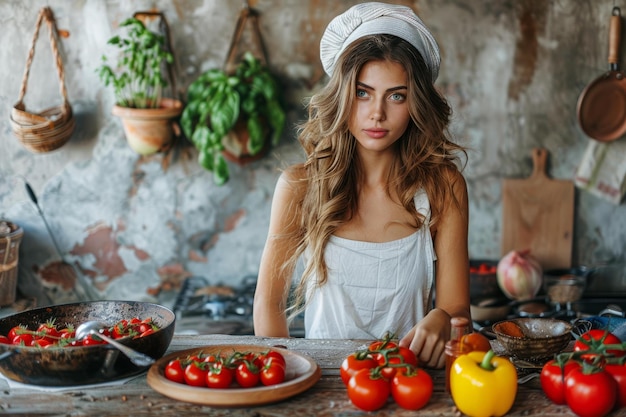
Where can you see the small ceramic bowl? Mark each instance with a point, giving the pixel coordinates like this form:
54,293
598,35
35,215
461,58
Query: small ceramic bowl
533,339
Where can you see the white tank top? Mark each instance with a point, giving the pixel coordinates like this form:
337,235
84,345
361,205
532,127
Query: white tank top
373,288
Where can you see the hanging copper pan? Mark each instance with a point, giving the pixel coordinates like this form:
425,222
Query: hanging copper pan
601,108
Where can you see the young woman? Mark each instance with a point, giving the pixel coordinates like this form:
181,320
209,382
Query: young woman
377,215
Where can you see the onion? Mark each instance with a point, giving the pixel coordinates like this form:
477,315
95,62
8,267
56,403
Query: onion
519,275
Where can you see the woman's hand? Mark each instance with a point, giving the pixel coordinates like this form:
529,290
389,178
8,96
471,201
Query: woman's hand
428,338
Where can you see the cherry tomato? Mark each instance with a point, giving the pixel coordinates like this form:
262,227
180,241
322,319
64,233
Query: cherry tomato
552,378
17,330
195,375
146,333
174,371
596,337
272,372
42,343
48,331
275,357
618,372
4,340
353,363
24,339
590,394
380,345
219,376
91,340
368,392
247,374
411,388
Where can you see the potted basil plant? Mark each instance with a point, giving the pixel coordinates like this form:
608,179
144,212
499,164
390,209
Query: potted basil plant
235,116
138,82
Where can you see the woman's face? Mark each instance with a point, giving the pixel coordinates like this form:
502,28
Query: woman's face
380,114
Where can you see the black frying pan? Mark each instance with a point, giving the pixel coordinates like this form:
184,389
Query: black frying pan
80,365
601,108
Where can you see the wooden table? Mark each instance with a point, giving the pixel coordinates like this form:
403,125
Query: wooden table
327,398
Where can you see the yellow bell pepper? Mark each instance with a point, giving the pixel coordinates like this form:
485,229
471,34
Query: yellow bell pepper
482,384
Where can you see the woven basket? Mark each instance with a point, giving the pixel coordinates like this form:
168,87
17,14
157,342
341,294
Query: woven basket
9,254
51,128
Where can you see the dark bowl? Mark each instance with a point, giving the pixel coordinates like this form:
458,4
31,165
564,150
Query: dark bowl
484,284
80,365
533,339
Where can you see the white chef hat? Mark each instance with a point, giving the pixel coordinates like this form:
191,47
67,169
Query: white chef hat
378,18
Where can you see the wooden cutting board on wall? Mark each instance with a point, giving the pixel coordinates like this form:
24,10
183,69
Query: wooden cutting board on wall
538,214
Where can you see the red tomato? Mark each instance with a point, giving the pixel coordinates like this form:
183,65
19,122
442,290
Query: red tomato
388,372
275,357
4,340
48,331
17,330
42,343
247,374
411,389
219,376
618,372
24,339
593,338
67,333
174,371
91,340
272,373
195,375
146,333
353,363
590,394
368,392
408,356
552,378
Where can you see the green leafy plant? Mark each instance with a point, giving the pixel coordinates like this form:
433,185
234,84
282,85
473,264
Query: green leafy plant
216,101
138,79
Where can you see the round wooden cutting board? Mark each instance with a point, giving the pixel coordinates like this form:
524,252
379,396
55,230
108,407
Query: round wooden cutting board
302,373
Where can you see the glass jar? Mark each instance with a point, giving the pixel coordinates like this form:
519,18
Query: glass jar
455,346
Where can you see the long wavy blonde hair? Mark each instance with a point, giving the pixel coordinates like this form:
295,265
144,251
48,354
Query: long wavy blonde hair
332,170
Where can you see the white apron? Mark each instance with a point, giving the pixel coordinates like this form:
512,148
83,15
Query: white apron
373,288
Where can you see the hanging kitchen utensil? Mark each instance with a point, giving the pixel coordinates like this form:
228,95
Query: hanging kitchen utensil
67,269
53,127
538,214
601,108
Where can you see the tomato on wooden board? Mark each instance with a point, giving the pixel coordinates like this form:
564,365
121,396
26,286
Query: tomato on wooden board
247,374
411,389
392,365
195,374
368,392
590,394
354,363
596,337
552,379
4,340
618,372
174,371
219,376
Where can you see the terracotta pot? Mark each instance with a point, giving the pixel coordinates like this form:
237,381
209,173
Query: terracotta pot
236,145
149,130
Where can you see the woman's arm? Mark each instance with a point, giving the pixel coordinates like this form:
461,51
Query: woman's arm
272,290
427,339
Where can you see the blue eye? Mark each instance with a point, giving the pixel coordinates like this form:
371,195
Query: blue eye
397,97
361,93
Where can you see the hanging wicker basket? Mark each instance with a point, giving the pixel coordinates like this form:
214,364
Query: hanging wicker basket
10,239
51,128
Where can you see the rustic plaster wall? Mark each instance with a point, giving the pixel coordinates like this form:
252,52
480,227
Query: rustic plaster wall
134,227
